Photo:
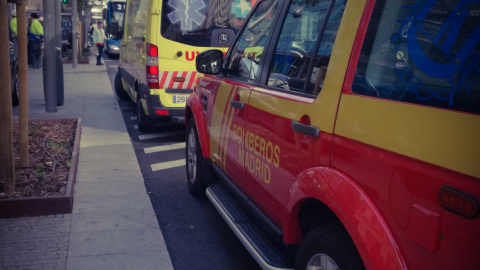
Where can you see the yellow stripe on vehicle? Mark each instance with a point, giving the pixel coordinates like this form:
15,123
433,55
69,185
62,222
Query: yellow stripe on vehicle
221,101
227,126
444,138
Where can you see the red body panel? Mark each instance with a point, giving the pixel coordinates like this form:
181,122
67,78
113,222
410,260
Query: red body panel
355,210
274,173
194,104
405,192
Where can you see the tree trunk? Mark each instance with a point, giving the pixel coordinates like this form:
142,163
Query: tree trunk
22,85
6,133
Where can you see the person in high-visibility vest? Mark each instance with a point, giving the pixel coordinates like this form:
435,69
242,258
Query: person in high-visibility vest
36,39
13,31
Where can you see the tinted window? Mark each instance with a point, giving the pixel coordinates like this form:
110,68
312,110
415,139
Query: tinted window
202,22
423,52
247,53
115,23
301,34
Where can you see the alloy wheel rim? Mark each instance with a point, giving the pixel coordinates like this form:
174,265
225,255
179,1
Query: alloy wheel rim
192,157
321,261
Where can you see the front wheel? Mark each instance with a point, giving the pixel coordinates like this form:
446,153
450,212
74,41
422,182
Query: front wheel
328,247
193,154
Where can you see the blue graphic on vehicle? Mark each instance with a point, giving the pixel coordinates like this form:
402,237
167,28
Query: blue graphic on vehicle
187,12
241,8
460,60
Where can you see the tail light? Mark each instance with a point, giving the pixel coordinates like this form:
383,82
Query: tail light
152,66
458,202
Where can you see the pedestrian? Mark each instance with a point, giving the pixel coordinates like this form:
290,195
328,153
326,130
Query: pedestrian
13,31
42,44
98,39
90,34
29,46
36,39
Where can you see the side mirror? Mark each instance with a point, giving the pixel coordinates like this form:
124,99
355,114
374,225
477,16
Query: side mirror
209,62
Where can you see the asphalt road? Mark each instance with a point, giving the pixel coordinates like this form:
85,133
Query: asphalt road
195,234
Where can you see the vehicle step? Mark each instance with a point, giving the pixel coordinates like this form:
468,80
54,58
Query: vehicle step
265,253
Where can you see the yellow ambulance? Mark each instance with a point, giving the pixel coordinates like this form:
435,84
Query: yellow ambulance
160,42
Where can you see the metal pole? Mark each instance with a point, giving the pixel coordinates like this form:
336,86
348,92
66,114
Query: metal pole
74,34
58,23
50,68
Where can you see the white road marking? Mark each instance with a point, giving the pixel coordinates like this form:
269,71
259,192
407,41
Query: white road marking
112,66
135,126
164,148
133,118
168,165
160,135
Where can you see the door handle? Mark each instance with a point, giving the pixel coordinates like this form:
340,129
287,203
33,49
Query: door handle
237,104
306,129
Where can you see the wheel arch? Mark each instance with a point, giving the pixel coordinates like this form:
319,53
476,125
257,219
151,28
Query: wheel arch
330,195
193,109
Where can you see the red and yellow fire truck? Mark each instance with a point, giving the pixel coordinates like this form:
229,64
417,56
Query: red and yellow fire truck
344,134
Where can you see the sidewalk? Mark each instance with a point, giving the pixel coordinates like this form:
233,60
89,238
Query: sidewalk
113,225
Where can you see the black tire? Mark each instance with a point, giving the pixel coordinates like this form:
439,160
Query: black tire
194,158
145,123
329,243
119,90
14,85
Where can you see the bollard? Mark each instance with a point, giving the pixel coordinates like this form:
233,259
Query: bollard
58,75
60,86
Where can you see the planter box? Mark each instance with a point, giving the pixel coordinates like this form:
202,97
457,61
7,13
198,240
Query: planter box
48,205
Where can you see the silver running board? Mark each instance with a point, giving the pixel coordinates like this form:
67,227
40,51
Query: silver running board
238,232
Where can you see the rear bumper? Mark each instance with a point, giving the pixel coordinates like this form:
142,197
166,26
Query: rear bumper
154,105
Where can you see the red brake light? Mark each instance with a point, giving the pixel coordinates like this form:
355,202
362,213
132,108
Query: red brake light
153,70
458,202
152,66
161,112
152,50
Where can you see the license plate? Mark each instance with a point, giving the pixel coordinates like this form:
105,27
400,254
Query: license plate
180,99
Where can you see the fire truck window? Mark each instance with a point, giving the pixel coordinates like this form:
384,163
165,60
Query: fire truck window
297,43
247,52
422,52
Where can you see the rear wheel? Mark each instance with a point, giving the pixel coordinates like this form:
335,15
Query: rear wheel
328,247
145,123
119,90
193,154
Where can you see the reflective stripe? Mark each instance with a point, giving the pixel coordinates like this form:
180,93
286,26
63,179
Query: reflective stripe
166,79
163,75
187,79
174,74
